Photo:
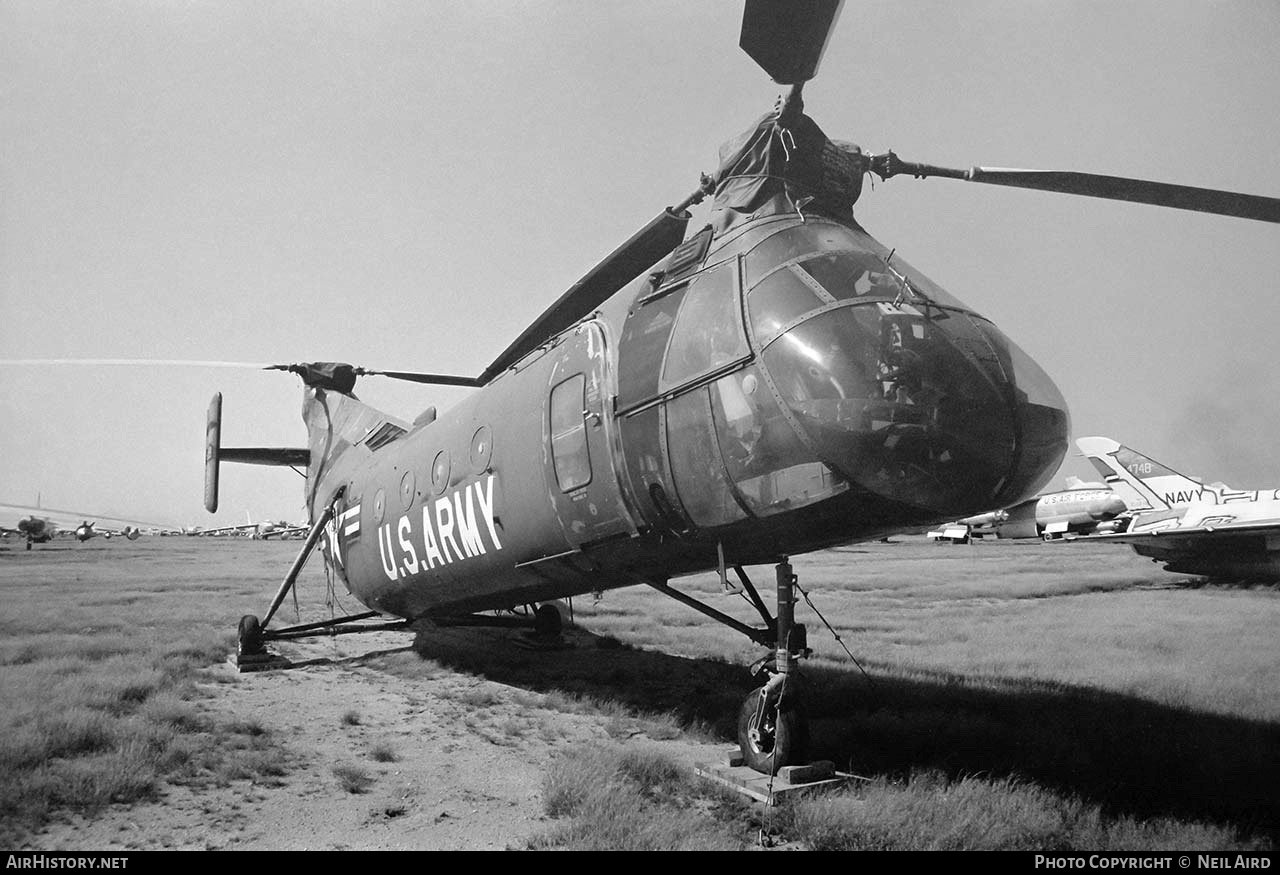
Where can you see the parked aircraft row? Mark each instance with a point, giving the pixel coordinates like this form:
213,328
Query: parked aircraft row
259,531
1080,509
1192,527
39,525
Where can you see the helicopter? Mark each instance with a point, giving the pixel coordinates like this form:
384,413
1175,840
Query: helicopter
774,383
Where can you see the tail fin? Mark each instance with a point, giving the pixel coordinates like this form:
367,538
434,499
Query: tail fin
214,454
336,422
1138,479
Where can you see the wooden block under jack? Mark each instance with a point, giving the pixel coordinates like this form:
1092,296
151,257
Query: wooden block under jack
771,790
807,774
266,661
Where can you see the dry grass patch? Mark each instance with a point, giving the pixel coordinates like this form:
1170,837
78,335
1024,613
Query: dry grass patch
932,812
614,798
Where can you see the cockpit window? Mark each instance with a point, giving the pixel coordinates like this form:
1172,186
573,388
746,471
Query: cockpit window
708,333
891,402
848,264
792,243
777,300
848,275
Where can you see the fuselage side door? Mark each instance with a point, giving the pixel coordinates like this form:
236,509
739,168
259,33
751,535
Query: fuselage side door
579,460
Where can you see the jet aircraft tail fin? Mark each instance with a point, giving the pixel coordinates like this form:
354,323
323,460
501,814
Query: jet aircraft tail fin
1140,480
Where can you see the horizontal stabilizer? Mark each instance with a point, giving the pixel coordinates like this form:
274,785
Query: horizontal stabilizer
291,456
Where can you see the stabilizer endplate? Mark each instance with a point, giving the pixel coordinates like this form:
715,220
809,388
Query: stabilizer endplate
212,447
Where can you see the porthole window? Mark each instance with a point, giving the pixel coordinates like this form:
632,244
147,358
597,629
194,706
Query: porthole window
481,449
407,486
440,471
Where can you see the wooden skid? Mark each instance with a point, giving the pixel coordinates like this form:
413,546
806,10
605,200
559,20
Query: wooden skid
259,662
790,780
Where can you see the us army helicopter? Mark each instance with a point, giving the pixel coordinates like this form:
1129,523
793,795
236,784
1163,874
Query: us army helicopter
774,383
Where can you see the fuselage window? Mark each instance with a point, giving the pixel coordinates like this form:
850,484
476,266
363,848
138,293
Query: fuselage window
708,333
569,434
644,341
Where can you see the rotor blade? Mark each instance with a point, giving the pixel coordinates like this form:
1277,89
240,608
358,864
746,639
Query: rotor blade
164,362
788,37
414,377
655,240
1121,188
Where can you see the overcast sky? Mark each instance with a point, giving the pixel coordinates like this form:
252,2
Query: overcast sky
405,185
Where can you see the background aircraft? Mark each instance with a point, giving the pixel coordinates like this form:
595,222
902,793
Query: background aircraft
87,530
40,525
1191,527
1080,509
279,529
34,529
259,531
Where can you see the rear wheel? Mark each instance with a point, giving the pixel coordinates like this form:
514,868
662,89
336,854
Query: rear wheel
250,636
772,737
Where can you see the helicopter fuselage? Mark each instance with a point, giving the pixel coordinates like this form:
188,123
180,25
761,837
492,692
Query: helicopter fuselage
786,386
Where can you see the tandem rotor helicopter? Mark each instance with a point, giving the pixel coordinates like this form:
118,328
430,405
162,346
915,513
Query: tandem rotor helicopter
774,383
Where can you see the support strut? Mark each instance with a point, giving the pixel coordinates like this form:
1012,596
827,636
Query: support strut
757,635
251,637
786,616
289,579
773,731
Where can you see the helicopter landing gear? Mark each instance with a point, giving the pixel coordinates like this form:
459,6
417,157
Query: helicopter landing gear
773,730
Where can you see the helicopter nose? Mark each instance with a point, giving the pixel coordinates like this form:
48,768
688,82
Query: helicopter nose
936,411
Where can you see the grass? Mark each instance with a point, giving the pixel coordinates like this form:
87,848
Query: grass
623,798
352,778
1069,678
615,798
104,651
932,811
1038,696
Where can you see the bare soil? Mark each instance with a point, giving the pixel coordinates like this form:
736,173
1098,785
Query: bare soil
382,751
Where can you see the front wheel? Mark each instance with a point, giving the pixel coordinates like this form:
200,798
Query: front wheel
547,622
774,736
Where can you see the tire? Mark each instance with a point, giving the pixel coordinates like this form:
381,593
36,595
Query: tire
781,741
547,622
250,636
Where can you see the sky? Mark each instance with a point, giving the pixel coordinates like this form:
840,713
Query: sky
406,185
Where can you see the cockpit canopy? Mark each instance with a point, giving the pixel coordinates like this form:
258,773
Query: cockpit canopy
815,362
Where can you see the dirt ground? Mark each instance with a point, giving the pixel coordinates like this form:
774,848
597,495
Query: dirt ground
465,770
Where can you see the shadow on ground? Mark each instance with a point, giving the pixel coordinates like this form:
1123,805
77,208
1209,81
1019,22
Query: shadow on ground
698,693
1129,756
